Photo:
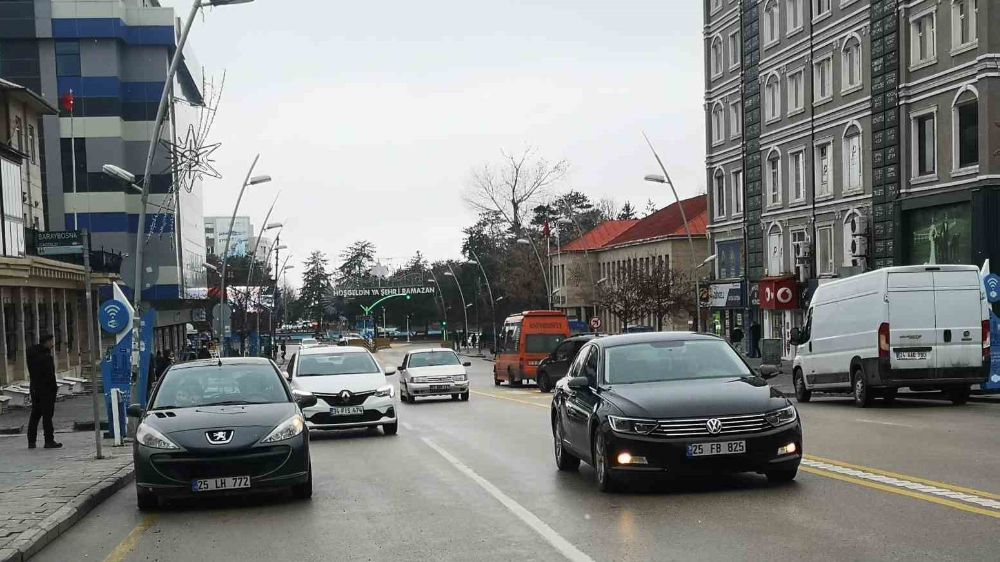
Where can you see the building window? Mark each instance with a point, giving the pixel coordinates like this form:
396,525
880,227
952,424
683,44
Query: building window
923,49
735,118
822,8
716,56
924,145
824,249
735,50
824,174
737,184
964,18
793,16
799,248
31,143
965,116
774,178
775,255
718,124
850,64
719,194
797,174
19,133
796,90
729,259
67,58
772,95
852,158
823,79
770,24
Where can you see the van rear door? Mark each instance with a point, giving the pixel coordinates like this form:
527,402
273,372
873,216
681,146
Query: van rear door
958,309
912,336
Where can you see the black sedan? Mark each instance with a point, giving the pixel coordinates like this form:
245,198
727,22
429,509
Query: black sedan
221,426
674,403
555,366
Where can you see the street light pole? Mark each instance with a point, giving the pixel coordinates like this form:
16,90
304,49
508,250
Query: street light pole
493,302
687,229
461,294
541,267
444,306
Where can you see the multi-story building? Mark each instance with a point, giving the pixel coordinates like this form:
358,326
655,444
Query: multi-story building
599,255
217,231
844,135
113,56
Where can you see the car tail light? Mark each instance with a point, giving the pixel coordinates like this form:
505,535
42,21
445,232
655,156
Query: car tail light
883,340
986,340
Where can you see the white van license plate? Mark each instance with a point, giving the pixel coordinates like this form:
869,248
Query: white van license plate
721,448
911,355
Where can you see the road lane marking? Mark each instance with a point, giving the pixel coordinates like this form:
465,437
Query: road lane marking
406,426
530,519
129,543
901,491
919,488
880,422
880,472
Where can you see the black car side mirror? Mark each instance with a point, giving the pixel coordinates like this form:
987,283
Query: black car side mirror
304,399
578,383
134,411
467,364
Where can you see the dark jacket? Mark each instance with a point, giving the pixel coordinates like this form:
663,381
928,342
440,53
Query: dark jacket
42,371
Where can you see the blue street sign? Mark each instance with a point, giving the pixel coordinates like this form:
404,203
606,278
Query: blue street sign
114,316
992,284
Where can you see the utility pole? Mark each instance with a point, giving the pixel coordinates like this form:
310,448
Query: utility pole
91,343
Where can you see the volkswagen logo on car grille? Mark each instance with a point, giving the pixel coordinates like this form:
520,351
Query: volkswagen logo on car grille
219,436
345,396
714,426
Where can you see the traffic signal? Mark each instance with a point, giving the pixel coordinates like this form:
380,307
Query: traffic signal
407,296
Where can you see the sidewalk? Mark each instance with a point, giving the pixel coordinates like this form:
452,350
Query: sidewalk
72,409
43,492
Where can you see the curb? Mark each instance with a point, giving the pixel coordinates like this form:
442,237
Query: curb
34,540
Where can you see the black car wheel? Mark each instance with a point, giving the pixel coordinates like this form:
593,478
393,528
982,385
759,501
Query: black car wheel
391,428
304,490
465,396
862,394
779,476
543,382
564,460
802,394
454,397
606,480
146,500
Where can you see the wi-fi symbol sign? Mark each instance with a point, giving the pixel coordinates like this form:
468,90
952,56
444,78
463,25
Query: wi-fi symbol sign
992,283
111,316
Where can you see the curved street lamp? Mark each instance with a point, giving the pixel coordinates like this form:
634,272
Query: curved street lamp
489,290
541,266
461,294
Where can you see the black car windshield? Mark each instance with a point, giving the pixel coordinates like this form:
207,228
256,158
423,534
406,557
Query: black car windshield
672,360
336,364
542,343
220,385
432,359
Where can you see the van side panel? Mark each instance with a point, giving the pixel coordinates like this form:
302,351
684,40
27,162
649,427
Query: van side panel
959,315
845,326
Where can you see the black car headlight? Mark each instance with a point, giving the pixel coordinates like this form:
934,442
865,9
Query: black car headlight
632,425
153,439
781,417
286,429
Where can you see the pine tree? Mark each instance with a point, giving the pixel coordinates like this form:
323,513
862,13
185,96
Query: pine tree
627,212
315,286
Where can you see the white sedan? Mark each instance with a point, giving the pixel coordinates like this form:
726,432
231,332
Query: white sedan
433,372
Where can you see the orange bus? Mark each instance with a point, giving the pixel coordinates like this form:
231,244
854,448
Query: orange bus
527,338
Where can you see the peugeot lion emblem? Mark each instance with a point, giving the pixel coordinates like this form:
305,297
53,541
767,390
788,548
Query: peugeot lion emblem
219,436
714,426
345,396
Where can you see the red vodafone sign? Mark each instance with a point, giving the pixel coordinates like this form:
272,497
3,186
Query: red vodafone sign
779,294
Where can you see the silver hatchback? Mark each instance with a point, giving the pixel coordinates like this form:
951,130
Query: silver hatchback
433,372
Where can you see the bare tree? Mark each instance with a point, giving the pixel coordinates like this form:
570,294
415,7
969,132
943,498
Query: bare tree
608,208
665,292
514,186
621,295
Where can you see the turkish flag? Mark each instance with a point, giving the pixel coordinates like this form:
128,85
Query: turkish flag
545,229
67,101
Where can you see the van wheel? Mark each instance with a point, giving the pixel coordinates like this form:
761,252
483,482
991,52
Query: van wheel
496,381
543,382
959,395
802,394
862,394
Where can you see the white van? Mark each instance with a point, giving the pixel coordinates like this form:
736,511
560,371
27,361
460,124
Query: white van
924,327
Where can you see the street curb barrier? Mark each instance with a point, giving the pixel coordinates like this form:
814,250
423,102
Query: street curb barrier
47,530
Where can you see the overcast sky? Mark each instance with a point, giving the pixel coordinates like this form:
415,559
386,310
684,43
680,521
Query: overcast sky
370,115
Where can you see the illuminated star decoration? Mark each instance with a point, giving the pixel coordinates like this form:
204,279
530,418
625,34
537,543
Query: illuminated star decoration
191,159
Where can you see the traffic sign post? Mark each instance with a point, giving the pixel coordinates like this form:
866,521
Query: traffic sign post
595,323
59,243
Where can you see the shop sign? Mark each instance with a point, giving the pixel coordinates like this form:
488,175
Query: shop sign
726,295
779,294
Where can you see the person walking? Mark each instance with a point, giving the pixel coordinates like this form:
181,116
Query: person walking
284,350
42,372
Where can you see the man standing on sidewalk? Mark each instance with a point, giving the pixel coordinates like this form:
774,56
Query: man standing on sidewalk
42,371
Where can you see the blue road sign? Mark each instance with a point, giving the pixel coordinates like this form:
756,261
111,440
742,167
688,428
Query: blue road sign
992,284
113,316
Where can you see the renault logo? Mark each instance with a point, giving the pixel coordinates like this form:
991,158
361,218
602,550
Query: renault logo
219,436
714,426
345,396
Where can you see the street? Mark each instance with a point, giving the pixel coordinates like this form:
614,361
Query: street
476,480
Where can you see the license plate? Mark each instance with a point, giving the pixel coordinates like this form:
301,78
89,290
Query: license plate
911,355
440,387
720,448
347,410
224,483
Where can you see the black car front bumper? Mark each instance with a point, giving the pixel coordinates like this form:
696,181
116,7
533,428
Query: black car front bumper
670,454
170,473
